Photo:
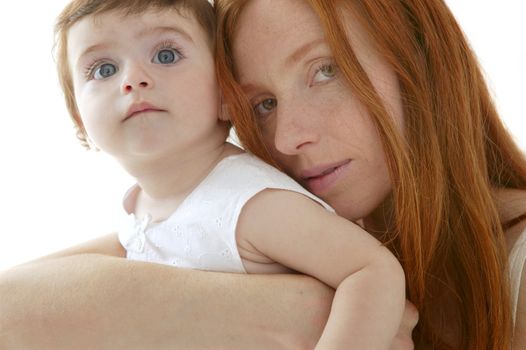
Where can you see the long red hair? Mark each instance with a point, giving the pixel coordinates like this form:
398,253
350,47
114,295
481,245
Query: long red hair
455,151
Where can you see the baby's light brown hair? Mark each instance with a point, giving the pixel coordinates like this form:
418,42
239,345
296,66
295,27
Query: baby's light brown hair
201,10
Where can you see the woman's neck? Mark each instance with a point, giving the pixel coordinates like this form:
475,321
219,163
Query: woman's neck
380,221
511,203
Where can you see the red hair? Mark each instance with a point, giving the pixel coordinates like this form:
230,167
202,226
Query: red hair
455,151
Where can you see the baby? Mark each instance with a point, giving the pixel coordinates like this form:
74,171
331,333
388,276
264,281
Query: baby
140,84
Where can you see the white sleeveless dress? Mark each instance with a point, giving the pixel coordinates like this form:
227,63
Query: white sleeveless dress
201,233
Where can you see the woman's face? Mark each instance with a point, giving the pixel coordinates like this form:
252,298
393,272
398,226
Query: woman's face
315,127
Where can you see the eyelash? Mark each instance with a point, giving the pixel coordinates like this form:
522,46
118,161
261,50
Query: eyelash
169,44
93,65
323,65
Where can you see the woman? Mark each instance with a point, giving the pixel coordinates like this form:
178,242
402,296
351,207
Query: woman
199,310
85,299
379,108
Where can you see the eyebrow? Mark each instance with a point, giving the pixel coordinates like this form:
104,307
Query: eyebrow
294,57
165,29
302,51
141,34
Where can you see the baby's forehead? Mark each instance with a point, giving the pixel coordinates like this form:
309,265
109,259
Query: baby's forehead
101,32
152,14
137,24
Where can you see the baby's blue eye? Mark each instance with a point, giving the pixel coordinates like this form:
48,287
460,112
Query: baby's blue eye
167,56
104,71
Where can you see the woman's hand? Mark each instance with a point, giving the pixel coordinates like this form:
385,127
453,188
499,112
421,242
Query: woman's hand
403,340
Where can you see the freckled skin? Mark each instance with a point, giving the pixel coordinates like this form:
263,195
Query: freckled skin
317,119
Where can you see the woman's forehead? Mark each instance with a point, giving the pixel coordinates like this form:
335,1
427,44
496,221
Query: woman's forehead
272,37
279,34
265,15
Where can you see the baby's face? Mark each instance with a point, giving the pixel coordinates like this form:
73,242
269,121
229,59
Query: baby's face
144,84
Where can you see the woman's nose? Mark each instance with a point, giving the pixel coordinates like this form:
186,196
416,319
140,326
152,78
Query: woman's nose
136,78
297,128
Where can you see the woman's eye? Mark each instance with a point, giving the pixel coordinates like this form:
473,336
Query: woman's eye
265,107
325,73
166,56
104,71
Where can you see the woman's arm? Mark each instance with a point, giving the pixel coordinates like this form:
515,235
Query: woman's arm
93,301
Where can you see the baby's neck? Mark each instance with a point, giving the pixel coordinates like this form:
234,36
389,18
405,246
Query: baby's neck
164,185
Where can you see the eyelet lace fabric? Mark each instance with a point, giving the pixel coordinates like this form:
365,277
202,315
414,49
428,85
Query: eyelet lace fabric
200,234
133,232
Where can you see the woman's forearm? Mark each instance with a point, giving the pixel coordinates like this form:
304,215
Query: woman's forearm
94,301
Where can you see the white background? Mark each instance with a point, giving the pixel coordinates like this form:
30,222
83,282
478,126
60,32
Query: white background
54,194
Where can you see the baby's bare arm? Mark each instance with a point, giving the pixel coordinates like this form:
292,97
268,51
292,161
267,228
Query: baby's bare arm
294,231
94,301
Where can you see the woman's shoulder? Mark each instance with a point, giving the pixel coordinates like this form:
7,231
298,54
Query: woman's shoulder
512,209
517,260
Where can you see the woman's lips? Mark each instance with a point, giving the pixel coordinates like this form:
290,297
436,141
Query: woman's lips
321,179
